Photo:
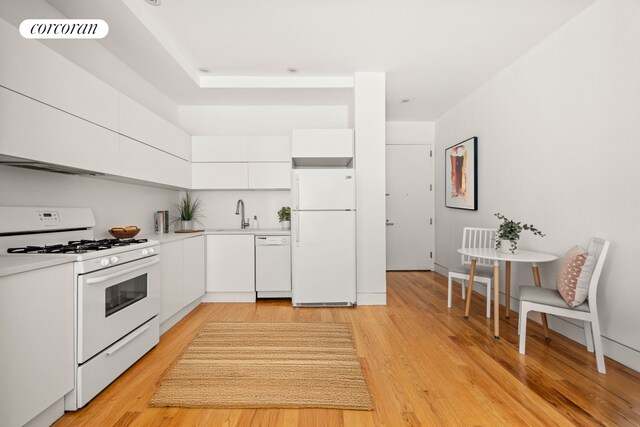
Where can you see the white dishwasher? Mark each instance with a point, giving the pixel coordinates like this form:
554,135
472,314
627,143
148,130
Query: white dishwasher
273,266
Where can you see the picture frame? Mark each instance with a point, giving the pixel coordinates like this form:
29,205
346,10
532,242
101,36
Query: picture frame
461,175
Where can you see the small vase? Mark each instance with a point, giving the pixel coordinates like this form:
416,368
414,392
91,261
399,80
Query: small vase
508,247
286,225
186,225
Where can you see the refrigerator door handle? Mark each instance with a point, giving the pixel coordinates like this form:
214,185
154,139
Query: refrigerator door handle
298,230
297,190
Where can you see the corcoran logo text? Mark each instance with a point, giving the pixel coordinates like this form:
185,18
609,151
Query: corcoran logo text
64,28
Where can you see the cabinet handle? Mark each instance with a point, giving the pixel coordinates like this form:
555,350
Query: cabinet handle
297,192
121,273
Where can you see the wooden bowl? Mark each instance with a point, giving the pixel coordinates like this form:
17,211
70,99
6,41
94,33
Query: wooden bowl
128,232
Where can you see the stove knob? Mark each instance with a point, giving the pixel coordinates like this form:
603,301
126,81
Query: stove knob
114,259
152,251
104,262
145,252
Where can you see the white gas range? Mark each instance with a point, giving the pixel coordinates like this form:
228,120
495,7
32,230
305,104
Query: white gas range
116,288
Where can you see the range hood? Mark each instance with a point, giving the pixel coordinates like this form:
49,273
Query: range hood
47,167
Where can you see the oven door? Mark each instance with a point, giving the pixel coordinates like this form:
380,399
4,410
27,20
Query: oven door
114,301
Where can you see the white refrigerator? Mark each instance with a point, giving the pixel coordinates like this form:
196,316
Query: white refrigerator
323,223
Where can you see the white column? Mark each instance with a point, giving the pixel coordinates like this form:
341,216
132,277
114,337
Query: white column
369,121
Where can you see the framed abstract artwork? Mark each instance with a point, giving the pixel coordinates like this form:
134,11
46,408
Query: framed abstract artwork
461,180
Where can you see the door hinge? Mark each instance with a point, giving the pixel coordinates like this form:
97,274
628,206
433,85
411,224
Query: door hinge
431,255
430,221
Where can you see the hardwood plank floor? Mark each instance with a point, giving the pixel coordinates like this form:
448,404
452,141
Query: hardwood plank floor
425,365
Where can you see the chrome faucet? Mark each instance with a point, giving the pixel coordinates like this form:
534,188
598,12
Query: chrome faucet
240,211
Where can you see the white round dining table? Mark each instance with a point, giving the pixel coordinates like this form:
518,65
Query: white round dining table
521,255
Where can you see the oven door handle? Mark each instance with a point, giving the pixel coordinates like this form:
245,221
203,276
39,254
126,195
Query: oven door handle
120,273
127,340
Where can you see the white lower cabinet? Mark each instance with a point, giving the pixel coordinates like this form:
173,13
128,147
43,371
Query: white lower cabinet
37,369
182,278
230,272
194,269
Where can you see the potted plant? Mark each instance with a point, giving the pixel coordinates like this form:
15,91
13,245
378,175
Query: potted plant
189,211
509,233
284,216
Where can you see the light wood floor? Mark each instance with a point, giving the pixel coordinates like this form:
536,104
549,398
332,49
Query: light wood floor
424,363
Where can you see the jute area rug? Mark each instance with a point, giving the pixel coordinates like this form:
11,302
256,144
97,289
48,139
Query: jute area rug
267,365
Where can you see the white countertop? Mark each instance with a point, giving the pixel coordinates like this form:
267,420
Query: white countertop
254,231
19,263
169,237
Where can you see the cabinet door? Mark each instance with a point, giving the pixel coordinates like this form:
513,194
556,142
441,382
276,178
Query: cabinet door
137,122
272,148
230,263
36,336
219,149
32,130
270,175
172,277
320,143
219,176
35,70
194,265
139,161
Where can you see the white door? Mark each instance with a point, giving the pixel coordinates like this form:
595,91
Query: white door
409,192
323,257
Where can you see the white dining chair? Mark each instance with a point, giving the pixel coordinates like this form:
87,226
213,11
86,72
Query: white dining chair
474,238
545,300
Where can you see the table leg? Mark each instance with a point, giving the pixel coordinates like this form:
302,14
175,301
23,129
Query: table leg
472,272
496,300
536,279
507,288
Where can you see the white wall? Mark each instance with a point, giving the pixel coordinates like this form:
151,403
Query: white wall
369,102
410,132
559,146
219,207
114,203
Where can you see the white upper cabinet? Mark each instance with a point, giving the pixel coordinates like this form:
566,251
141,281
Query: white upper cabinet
219,176
141,162
257,162
32,130
31,68
219,149
138,123
322,147
271,148
270,176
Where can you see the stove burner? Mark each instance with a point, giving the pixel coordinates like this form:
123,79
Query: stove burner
76,246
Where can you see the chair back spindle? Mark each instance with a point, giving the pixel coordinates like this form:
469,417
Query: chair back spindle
474,237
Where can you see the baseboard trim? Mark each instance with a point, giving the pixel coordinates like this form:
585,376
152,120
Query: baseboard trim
621,353
171,321
229,297
371,299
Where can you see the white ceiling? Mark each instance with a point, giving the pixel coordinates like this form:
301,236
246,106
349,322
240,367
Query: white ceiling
435,52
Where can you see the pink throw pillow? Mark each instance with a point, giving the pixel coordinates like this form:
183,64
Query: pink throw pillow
570,270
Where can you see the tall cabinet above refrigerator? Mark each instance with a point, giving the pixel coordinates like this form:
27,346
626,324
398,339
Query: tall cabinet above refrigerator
324,237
